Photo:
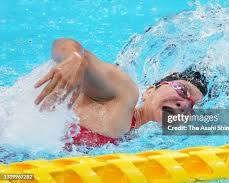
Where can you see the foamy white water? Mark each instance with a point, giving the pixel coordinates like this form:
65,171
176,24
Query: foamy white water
22,123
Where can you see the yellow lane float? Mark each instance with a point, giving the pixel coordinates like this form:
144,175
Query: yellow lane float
161,166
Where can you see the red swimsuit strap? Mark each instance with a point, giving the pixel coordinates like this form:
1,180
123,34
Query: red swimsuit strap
134,121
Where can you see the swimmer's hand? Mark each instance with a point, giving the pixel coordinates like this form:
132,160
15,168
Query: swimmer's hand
63,79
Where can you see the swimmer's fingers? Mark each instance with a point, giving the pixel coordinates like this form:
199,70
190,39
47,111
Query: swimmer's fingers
60,90
73,80
75,95
54,97
68,89
46,78
47,90
48,103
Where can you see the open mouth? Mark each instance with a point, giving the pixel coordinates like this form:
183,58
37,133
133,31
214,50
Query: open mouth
168,110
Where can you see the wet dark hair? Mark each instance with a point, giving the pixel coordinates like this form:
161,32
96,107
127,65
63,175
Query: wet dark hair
194,77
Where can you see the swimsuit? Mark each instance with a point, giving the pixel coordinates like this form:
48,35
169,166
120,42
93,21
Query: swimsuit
78,135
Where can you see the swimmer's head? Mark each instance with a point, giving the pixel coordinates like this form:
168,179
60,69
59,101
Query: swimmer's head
175,93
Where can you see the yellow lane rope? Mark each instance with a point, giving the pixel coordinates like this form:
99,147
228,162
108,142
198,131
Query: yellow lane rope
161,166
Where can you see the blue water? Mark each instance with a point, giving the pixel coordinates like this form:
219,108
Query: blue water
182,33
28,28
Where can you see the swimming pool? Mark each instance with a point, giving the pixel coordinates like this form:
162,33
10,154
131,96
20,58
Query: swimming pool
28,27
113,30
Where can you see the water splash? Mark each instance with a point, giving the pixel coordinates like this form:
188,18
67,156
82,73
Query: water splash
197,37
21,121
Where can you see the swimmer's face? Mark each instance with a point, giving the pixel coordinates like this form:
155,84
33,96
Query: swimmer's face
155,100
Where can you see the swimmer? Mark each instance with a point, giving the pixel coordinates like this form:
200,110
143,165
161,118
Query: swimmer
104,97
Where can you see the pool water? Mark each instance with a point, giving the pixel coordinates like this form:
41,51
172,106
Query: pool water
148,39
28,28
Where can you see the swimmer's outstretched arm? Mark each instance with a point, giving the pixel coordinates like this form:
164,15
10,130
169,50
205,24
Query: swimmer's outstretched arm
79,68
